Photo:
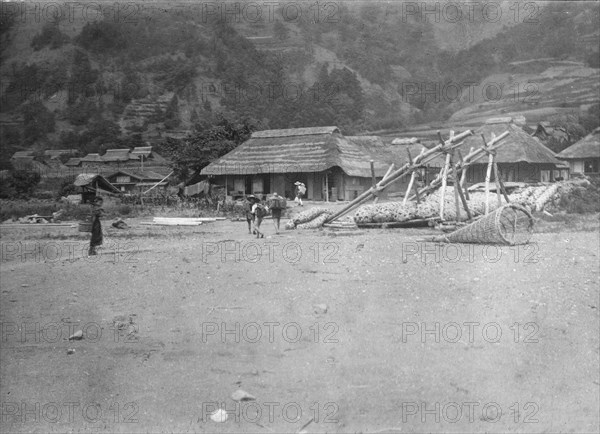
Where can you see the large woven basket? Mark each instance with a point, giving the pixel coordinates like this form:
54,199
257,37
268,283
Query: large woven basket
510,224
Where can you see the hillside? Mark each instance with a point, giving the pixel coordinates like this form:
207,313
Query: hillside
124,73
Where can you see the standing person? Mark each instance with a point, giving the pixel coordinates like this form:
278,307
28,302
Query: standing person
300,191
260,211
96,239
277,205
250,201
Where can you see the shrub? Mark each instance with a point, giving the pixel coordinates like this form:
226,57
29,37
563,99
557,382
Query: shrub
582,200
19,184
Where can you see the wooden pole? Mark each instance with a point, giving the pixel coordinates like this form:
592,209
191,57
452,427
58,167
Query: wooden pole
463,200
373,181
487,182
500,182
443,189
326,186
410,186
498,194
463,175
157,183
412,178
456,188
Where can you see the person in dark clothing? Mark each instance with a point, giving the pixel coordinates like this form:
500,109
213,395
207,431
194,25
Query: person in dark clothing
96,239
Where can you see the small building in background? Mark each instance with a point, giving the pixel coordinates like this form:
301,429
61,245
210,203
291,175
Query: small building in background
92,185
137,181
584,156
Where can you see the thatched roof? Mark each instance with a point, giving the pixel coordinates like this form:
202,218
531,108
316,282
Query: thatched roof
89,179
291,132
23,154
116,155
140,175
58,152
143,151
73,162
518,147
305,150
92,158
588,147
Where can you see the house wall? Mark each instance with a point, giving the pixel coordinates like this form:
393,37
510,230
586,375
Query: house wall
518,172
278,183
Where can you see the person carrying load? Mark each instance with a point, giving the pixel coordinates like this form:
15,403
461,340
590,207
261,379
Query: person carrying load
276,204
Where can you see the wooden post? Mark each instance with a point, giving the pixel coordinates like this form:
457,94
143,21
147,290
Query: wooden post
326,186
500,182
487,182
388,172
443,189
412,179
373,181
410,186
444,176
463,175
498,194
456,188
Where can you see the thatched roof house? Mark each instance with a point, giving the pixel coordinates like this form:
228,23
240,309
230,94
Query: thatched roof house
136,180
116,155
520,158
92,160
584,156
328,163
73,162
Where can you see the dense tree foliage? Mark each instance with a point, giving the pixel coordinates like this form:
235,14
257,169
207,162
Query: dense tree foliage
208,142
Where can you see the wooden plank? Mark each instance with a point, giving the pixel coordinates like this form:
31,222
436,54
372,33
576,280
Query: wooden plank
171,223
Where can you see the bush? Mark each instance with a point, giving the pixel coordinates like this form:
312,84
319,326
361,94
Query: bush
19,184
582,200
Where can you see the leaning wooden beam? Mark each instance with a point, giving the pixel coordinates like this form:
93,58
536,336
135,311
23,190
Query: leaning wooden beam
394,176
157,183
500,182
463,174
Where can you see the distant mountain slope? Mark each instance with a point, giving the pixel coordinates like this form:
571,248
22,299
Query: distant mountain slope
111,81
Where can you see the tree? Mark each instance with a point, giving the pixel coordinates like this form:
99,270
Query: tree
21,183
208,143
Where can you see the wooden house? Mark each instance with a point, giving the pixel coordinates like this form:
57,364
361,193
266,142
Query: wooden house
520,158
332,166
583,156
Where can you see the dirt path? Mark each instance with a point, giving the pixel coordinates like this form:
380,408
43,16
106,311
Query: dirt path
176,319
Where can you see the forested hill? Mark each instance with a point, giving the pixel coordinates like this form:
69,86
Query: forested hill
124,73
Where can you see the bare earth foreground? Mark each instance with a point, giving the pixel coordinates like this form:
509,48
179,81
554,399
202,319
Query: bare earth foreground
363,331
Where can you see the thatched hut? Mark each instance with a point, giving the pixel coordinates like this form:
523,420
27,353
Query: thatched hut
93,185
331,165
520,158
584,156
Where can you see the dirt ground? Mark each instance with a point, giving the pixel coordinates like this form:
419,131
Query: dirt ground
331,331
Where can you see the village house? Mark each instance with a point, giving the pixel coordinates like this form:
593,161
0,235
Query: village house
142,158
584,156
332,166
137,181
